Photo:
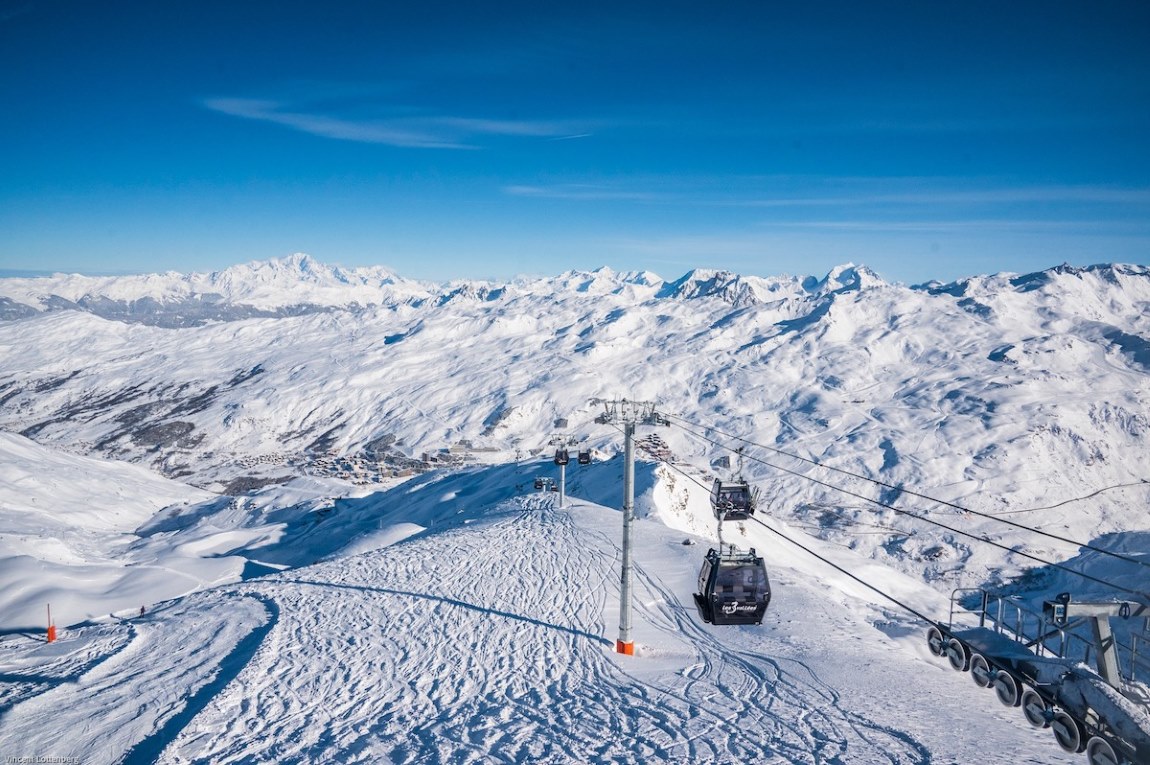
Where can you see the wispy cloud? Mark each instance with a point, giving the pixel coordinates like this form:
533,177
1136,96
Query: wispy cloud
872,194
585,192
981,196
966,226
422,132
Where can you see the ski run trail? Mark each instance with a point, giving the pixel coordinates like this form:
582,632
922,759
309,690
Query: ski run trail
490,638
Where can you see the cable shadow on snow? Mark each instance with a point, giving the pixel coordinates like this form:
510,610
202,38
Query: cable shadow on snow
460,604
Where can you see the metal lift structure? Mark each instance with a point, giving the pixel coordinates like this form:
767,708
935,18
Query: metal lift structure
1041,662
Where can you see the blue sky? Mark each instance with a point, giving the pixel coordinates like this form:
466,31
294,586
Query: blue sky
451,139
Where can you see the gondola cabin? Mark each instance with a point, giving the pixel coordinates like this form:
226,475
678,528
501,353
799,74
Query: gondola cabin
733,588
562,457
538,483
585,458
732,501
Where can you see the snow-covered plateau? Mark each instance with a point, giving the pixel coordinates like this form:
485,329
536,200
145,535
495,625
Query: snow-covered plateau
285,512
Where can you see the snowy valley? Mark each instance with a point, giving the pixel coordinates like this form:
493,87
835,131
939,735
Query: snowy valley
318,485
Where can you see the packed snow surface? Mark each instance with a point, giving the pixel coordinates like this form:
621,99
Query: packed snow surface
489,638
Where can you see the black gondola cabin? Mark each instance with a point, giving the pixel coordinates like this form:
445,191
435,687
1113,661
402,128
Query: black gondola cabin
733,588
732,501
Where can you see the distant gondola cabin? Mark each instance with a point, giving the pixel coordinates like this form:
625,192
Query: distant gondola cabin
732,500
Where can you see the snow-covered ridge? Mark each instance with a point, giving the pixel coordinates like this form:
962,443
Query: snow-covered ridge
65,524
739,291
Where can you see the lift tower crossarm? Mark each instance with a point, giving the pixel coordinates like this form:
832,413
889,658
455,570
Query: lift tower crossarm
1062,610
621,411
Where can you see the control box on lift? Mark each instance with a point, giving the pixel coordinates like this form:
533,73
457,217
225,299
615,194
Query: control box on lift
1055,610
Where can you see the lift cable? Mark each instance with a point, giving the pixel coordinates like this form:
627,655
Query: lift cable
952,529
842,570
803,547
944,502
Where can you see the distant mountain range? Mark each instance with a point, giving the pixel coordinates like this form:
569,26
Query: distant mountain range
300,285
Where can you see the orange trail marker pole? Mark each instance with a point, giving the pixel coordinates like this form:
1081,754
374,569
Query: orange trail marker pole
51,626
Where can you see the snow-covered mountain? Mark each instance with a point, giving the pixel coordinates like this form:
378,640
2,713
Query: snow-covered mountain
315,416
1005,393
281,287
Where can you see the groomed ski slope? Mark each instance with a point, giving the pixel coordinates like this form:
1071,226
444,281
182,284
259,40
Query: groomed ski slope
489,638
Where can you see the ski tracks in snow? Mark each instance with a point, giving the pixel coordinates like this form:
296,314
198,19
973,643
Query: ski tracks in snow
138,683
31,668
752,707
486,643
475,645
482,643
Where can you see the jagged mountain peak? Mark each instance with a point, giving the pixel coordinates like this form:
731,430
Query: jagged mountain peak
476,291
704,282
1111,273
847,277
300,268
604,280
736,289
